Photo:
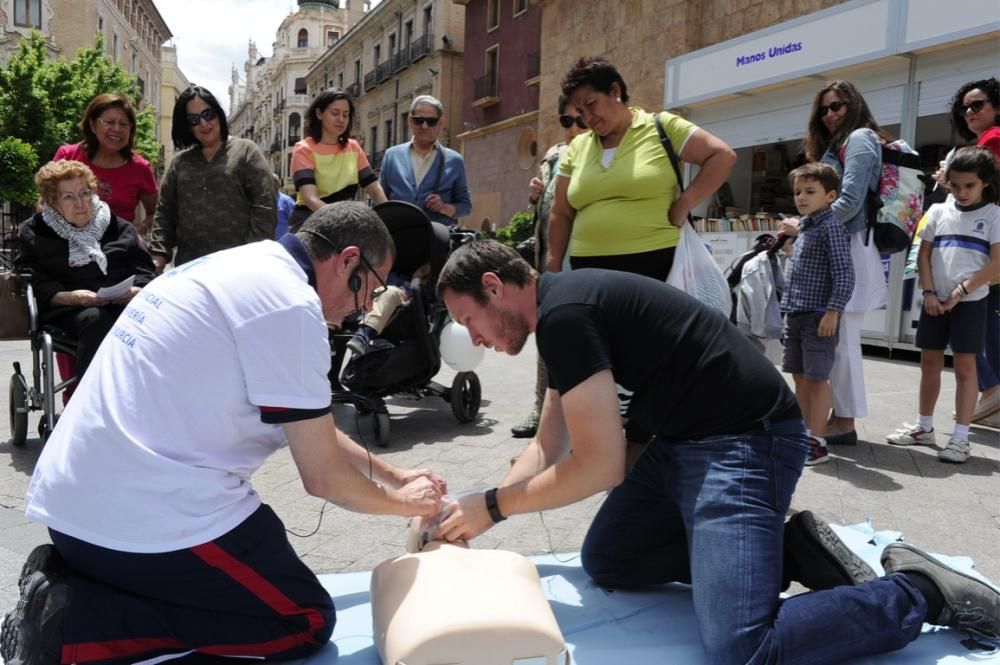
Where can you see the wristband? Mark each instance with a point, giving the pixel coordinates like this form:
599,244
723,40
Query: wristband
491,506
926,291
961,285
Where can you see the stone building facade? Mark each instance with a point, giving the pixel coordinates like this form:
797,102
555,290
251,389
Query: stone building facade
399,50
268,105
639,36
500,108
173,83
133,33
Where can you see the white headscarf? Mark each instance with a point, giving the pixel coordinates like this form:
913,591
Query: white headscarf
84,241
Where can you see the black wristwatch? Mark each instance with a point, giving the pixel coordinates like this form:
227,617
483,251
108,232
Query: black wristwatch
491,506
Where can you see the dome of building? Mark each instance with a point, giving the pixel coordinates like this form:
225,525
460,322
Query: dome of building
333,4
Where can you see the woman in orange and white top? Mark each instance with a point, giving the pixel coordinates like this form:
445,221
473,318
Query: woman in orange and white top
328,165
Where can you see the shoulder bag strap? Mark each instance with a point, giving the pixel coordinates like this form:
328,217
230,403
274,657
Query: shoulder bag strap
672,155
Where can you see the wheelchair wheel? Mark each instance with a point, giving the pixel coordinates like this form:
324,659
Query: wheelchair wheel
374,427
18,410
466,394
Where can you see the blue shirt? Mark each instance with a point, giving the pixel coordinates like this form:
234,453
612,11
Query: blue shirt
820,274
285,204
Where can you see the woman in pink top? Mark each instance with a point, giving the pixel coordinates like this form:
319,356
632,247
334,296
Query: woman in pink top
124,179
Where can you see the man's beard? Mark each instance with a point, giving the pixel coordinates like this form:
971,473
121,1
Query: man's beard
514,330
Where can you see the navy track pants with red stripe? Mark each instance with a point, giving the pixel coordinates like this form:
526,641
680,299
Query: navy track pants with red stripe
246,593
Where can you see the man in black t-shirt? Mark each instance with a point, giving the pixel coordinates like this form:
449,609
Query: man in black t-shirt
705,502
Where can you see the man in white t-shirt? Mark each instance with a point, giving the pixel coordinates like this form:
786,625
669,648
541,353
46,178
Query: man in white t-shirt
161,545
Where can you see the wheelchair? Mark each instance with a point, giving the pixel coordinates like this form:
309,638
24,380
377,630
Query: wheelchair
38,394
406,356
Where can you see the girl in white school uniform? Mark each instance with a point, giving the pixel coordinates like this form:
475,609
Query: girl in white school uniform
959,256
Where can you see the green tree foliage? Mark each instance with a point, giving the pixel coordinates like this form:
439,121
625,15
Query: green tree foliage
18,162
43,100
521,227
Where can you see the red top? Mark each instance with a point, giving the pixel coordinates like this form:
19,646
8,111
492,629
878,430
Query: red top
991,139
119,187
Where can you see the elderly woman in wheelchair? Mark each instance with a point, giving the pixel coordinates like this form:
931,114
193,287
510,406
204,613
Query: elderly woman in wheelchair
72,249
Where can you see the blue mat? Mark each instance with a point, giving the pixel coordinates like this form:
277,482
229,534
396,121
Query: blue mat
641,628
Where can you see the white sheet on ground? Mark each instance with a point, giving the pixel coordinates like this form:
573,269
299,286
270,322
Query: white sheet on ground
646,628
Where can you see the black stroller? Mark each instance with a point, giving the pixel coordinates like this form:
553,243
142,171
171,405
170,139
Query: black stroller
406,356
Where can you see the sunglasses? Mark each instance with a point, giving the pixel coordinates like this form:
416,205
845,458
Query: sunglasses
421,120
208,115
975,106
834,106
568,121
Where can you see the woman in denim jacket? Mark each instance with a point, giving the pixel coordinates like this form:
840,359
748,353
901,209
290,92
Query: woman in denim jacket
843,134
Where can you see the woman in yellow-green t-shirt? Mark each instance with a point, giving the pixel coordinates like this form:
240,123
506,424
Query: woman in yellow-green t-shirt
617,193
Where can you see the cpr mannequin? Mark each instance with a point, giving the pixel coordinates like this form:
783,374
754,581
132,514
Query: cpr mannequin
446,604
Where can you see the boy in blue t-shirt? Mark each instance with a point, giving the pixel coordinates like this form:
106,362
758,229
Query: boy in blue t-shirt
819,281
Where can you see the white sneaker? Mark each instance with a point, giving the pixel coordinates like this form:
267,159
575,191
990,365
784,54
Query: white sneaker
911,435
957,451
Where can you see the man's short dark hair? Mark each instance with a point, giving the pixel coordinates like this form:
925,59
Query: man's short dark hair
463,273
822,173
344,224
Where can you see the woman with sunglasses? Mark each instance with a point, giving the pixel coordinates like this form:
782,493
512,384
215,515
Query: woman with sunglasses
975,114
124,179
328,165
72,248
540,192
843,133
217,193
617,192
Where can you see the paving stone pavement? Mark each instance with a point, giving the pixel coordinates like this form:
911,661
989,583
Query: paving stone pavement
952,509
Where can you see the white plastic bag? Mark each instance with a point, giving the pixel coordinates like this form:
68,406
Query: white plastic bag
696,273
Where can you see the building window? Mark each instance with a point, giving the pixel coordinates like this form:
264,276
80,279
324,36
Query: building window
374,146
404,127
408,33
100,23
303,40
388,133
392,44
294,129
492,71
492,15
28,13
357,72
300,85
340,80
114,48
331,38
377,54
520,6
428,26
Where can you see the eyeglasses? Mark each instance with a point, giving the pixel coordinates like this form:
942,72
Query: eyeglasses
421,120
69,198
208,115
834,106
975,106
368,266
111,124
568,121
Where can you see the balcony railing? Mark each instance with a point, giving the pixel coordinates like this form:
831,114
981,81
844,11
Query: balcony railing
376,161
401,58
384,71
371,80
533,66
354,89
421,46
485,91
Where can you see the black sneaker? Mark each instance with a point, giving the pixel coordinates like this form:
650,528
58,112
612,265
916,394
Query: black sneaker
969,604
817,558
527,427
45,558
31,633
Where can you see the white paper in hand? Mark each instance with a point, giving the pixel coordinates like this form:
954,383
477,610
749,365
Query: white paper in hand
112,293
695,272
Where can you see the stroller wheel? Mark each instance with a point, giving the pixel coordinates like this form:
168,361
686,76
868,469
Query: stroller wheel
466,394
18,410
374,427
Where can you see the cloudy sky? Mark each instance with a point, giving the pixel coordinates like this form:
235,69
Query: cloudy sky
211,36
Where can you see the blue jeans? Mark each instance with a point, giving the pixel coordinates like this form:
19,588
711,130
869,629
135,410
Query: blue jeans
711,513
988,360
